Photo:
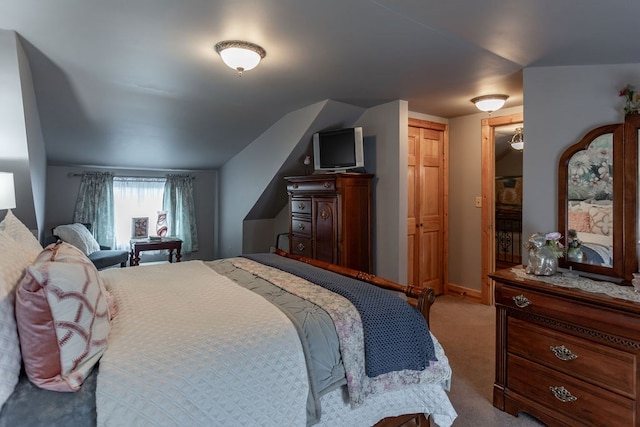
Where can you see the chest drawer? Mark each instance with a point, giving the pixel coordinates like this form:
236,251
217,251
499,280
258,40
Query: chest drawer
301,246
312,186
596,363
301,227
587,404
301,205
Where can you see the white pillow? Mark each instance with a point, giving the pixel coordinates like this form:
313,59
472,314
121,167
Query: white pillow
79,236
13,263
21,234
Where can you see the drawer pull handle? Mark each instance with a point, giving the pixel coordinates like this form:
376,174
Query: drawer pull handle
300,247
301,206
563,353
295,185
327,184
562,394
521,301
300,226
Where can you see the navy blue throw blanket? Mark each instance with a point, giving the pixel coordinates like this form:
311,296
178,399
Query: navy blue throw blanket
396,336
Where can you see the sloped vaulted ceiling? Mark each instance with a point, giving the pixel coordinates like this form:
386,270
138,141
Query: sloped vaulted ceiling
137,83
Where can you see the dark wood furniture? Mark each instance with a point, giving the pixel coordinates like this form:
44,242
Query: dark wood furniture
140,245
330,218
625,194
566,356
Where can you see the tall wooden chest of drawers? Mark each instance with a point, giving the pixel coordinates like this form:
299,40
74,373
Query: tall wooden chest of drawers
564,355
330,218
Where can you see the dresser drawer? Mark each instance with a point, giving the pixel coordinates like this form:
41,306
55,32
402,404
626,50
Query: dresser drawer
301,205
302,246
582,401
596,363
301,227
312,186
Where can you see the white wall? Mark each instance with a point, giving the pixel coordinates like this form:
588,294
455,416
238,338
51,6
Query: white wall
561,104
21,145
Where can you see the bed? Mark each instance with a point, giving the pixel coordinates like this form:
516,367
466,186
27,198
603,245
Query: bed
266,339
592,220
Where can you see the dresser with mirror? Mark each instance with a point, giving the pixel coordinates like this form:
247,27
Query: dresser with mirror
568,346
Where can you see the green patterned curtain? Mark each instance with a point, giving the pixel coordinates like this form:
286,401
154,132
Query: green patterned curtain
181,218
95,206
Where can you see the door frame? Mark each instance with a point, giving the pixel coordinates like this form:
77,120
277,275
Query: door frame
488,200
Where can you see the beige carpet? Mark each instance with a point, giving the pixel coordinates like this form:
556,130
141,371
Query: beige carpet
467,332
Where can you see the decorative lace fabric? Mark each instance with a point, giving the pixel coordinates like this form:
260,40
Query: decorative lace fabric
350,334
611,289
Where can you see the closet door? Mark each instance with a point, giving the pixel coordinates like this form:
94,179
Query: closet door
427,209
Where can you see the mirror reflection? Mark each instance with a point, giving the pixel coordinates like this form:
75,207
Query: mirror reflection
590,197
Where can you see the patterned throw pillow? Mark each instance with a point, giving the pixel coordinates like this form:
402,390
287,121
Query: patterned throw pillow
580,221
63,318
13,263
21,234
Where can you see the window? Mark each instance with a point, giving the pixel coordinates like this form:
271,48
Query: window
135,197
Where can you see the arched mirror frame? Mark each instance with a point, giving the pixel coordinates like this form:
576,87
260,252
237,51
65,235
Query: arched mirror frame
631,214
620,248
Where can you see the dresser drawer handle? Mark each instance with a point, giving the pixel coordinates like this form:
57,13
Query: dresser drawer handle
563,353
521,301
562,394
301,206
327,184
300,247
300,226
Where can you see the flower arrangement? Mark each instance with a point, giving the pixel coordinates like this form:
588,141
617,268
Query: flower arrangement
572,239
632,100
553,242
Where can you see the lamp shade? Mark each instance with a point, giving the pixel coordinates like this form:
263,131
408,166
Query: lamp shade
239,55
489,103
7,191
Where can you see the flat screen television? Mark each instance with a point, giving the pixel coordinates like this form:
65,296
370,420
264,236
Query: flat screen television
338,150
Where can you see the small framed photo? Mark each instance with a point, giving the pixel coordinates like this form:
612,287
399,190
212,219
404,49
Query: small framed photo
140,227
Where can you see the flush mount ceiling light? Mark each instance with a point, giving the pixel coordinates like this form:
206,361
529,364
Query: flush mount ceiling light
489,103
240,55
517,140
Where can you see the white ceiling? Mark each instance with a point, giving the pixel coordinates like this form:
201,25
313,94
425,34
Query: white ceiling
136,83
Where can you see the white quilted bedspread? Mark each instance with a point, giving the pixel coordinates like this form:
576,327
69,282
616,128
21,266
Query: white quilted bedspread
188,347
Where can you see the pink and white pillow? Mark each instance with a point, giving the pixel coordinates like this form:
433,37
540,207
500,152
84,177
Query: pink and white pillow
63,318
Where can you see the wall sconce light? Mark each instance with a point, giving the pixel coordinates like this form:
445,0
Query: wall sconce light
517,140
489,103
7,191
240,55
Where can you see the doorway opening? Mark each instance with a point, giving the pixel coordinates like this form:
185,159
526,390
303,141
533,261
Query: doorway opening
501,192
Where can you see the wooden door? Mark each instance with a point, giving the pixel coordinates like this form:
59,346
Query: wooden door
427,205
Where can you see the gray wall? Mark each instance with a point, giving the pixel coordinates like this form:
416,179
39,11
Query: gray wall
561,105
245,177
465,184
62,191
22,148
